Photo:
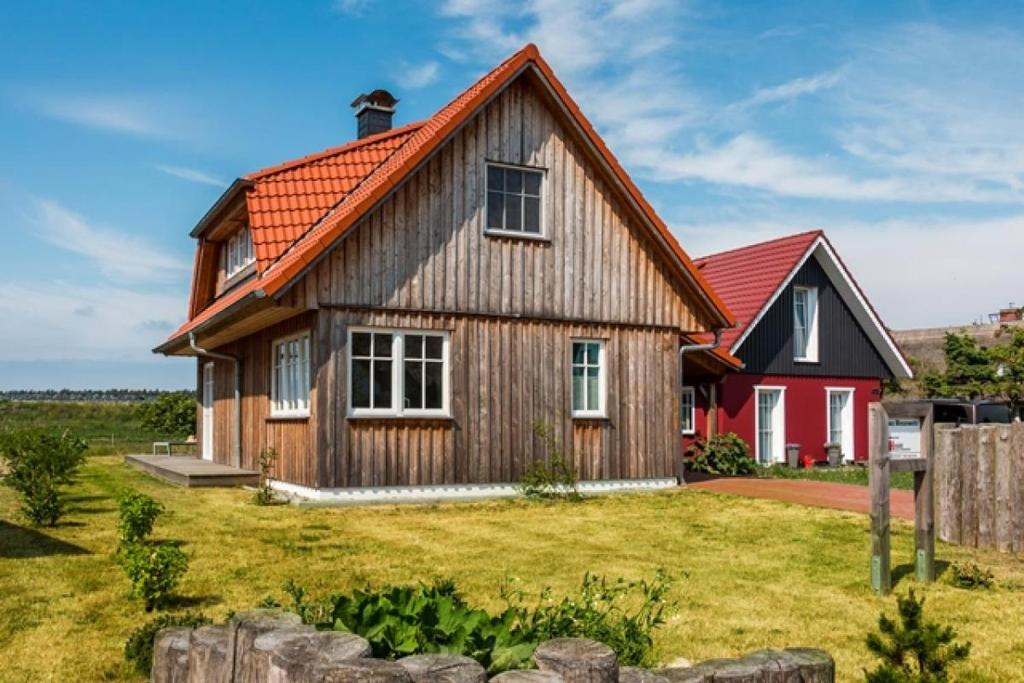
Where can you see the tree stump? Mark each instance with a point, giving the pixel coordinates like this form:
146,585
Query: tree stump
776,666
438,668
578,660
816,666
210,657
300,653
362,671
698,673
528,676
170,655
634,674
247,627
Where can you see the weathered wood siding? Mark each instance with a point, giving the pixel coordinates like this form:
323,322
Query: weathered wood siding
294,439
425,248
505,376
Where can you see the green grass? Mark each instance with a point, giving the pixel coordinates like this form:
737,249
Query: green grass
759,573
848,474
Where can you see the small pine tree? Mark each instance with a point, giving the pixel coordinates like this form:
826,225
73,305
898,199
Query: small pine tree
913,650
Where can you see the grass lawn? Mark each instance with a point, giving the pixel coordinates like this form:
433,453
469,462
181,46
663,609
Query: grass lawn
760,573
848,474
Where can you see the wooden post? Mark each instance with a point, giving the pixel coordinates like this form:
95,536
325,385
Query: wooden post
924,504
878,460
712,410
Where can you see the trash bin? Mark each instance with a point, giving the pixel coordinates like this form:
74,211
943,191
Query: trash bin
793,455
835,454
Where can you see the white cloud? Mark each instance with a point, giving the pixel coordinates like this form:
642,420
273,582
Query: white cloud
793,89
413,76
118,255
135,115
61,321
192,175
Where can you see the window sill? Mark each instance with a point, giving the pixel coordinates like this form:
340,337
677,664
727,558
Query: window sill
597,417
516,235
691,432
287,417
401,418
807,361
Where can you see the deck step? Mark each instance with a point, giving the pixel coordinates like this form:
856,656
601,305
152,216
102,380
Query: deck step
192,472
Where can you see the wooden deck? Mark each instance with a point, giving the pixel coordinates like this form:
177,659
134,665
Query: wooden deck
191,472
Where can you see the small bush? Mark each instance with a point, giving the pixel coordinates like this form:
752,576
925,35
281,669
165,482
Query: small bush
171,414
37,465
264,494
137,514
970,576
138,650
154,570
725,454
555,478
913,650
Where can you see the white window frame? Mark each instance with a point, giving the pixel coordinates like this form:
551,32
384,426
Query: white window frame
397,408
304,379
519,234
811,346
688,391
239,252
778,421
601,411
849,418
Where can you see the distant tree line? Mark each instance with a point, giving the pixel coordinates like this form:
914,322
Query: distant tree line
103,395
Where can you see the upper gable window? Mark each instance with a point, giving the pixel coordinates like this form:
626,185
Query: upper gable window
805,324
513,200
238,252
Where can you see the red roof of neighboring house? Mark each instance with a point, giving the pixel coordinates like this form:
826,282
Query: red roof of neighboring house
747,278
298,209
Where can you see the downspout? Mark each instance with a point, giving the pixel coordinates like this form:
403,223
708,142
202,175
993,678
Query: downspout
237,455
683,350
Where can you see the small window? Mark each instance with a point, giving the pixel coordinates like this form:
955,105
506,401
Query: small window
588,378
805,324
397,373
513,200
686,410
238,252
289,395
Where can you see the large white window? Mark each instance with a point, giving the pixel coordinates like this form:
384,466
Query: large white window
840,419
514,200
398,373
805,324
770,424
588,378
238,252
687,408
289,394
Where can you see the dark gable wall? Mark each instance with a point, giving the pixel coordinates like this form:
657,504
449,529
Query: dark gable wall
843,348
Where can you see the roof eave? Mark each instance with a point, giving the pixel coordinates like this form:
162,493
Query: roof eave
180,340
229,195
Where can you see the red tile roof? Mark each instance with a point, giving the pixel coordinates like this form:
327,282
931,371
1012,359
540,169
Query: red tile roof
746,278
298,209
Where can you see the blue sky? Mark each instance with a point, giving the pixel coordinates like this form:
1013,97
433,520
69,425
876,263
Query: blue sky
895,126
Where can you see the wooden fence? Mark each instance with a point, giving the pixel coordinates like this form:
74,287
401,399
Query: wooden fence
979,479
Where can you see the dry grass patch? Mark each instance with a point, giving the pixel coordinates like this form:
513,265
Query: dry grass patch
759,573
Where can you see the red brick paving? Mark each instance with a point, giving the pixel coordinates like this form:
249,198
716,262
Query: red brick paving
822,494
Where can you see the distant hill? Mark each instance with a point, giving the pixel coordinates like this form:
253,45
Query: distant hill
98,395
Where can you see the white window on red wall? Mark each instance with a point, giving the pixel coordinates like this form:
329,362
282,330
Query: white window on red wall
687,411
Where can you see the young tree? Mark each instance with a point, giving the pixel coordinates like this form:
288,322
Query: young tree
973,371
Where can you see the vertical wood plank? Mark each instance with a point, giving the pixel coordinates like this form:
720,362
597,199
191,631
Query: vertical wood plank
879,482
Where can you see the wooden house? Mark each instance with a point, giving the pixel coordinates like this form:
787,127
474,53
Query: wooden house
806,357
395,315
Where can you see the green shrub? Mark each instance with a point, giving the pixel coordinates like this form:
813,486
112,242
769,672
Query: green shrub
553,478
425,618
725,454
970,576
137,514
154,570
264,494
171,414
913,650
37,465
138,650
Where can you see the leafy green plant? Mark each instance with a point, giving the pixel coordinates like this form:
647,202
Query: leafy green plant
170,414
137,513
913,650
155,569
264,494
969,575
425,618
138,650
725,454
554,477
37,465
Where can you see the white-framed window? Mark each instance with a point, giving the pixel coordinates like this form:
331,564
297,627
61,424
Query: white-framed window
237,252
588,377
805,324
514,204
687,411
398,373
839,404
770,424
289,386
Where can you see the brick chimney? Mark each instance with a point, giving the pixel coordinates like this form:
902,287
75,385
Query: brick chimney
374,111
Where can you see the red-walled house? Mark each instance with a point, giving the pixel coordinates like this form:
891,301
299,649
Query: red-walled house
814,352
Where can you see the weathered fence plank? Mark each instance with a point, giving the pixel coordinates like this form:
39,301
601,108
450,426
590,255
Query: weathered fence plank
1003,509
1017,487
947,472
878,454
986,486
968,485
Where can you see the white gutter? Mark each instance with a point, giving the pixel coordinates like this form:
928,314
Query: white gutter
237,455
692,348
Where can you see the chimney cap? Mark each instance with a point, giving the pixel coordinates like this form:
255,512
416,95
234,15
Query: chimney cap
378,99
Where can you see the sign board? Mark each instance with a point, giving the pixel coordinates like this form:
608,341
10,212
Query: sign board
905,437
